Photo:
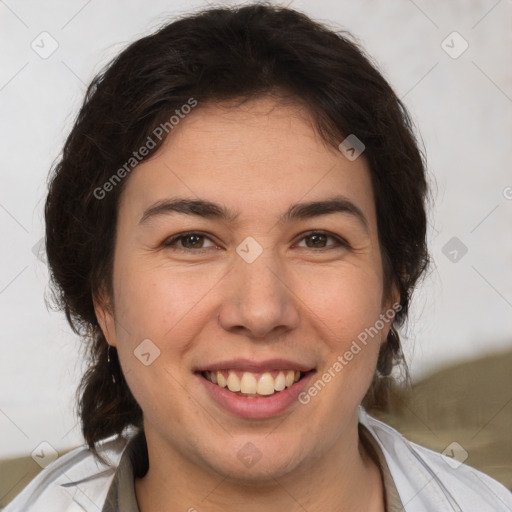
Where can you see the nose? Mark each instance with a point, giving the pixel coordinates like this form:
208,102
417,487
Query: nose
258,302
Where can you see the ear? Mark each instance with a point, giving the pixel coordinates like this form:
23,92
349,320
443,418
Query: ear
390,306
393,298
105,315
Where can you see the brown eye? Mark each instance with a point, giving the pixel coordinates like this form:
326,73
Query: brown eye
320,241
188,241
316,240
192,241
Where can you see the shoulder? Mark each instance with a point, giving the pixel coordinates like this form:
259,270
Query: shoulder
75,481
425,478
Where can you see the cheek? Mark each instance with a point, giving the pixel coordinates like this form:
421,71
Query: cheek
152,300
347,300
344,313
158,316
347,309
168,306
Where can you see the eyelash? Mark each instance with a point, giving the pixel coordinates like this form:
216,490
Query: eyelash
170,242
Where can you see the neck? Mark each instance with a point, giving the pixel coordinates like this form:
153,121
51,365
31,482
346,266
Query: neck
345,479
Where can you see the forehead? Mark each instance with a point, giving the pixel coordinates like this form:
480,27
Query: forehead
255,157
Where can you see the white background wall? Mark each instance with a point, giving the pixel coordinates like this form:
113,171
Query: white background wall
462,106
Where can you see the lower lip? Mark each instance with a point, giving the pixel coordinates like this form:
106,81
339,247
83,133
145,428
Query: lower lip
256,408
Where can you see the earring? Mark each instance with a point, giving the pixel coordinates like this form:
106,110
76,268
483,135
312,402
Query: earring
110,364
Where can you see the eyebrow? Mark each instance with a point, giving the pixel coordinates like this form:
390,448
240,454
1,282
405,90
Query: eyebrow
211,210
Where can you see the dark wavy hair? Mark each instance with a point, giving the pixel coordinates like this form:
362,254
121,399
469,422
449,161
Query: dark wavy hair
215,55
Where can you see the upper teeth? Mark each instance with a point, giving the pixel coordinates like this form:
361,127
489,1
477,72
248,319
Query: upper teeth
249,383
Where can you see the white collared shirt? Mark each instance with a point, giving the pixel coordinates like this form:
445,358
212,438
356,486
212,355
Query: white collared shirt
426,480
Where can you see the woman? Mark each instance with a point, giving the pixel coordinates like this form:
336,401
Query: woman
237,224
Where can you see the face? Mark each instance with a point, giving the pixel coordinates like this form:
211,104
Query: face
247,252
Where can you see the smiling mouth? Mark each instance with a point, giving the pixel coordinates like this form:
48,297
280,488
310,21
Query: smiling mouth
252,385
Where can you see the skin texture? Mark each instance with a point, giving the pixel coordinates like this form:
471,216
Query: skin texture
297,302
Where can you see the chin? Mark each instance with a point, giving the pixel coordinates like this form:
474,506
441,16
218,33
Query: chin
258,461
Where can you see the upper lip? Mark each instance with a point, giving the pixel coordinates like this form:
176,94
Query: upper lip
249,365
